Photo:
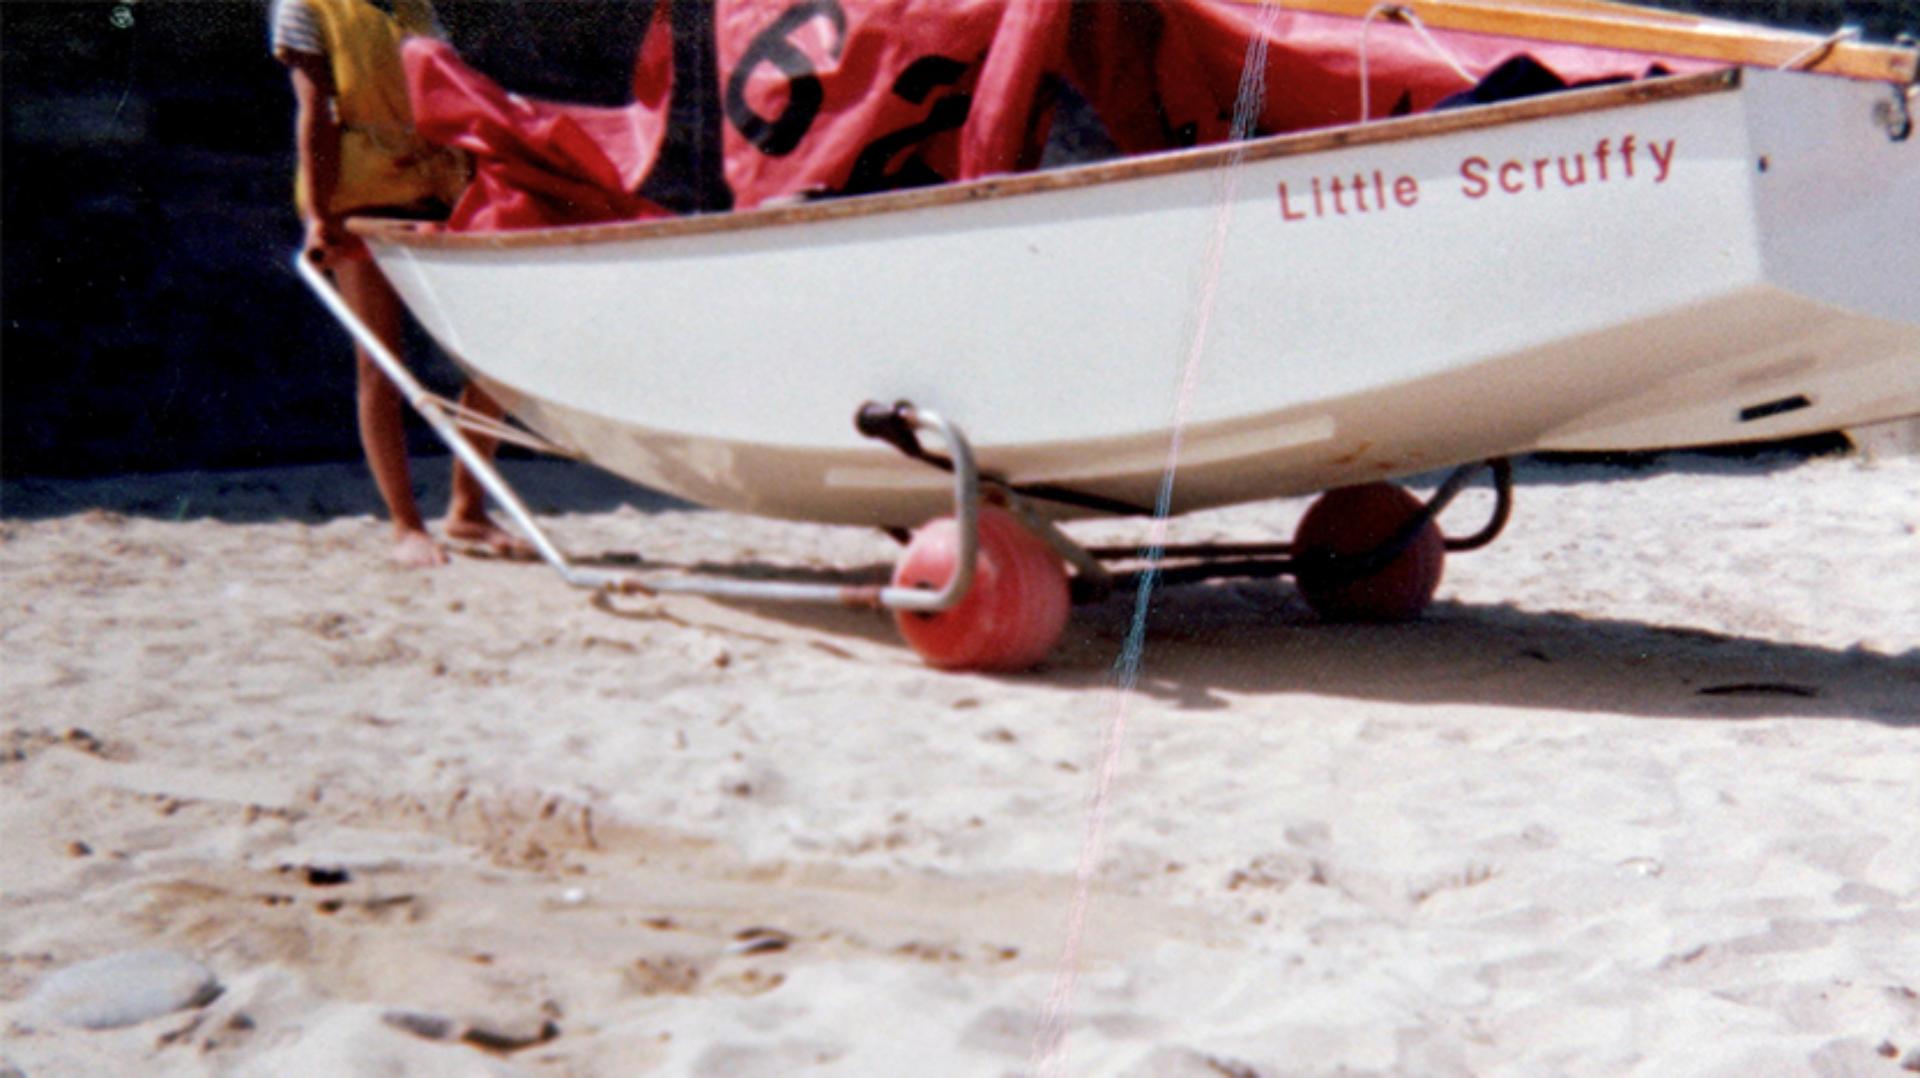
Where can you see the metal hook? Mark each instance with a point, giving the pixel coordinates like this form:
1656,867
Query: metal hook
1897,115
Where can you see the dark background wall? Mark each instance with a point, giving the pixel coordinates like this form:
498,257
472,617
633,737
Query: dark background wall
148,318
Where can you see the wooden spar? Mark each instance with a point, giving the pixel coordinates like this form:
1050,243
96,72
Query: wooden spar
1636,29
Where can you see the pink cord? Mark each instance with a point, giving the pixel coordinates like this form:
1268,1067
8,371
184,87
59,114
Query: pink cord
1050,1038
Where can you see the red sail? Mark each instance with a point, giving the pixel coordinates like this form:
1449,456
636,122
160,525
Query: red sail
822,98
829,97
539,163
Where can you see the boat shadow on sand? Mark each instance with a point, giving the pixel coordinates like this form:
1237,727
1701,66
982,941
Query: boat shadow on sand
1205,645
311,493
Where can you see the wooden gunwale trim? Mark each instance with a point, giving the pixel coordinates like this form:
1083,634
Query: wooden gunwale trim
1636,29
1573,102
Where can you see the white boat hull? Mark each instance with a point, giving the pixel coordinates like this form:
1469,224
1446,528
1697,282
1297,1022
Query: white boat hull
1499,282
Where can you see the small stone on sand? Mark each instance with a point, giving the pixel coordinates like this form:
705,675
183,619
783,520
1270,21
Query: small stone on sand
124,989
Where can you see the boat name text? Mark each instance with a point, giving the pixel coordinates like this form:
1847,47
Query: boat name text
1479,177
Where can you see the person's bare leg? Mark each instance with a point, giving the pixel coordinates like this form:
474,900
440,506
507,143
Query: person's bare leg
467,518
383,433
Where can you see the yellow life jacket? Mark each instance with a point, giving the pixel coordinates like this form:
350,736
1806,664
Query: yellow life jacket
383,163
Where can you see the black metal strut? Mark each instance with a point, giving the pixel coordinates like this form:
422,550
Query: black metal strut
884,422
1227,561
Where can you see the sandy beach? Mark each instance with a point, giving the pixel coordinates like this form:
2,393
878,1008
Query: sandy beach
1640,794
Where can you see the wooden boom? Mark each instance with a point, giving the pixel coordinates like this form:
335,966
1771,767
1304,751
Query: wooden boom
1639,29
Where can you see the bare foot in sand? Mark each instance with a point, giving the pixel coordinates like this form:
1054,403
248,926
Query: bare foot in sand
415,549
489,538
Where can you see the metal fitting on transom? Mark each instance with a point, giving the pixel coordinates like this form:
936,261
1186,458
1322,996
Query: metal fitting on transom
1896,115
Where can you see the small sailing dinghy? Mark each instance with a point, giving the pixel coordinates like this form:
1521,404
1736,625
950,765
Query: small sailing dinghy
1335,284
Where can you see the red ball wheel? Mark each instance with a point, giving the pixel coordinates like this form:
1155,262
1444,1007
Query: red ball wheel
1011,617
1352,521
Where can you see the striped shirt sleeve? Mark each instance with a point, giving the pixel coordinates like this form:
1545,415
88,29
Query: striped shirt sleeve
296,28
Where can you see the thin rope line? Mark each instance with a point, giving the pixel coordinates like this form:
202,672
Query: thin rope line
1249,101
1818,51
1405,15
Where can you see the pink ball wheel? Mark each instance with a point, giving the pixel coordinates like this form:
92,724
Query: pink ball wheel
1012,616
1350,523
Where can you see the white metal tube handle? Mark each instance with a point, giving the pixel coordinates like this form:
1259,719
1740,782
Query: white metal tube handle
966,512
422,401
